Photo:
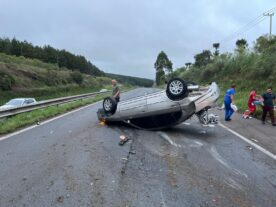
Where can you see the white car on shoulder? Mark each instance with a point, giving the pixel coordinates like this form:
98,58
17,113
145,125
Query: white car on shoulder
17,102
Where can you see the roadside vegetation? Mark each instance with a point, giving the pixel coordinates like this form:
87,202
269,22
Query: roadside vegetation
246,67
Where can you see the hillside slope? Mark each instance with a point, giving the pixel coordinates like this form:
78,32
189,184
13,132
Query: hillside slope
21,76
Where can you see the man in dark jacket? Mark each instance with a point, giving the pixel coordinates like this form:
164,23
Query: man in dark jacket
268,107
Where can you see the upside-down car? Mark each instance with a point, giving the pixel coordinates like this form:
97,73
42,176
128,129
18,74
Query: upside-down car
165,108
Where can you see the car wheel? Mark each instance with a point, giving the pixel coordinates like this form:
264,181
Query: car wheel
109,105
177,89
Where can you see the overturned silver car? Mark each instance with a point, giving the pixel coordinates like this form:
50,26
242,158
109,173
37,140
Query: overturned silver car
165,108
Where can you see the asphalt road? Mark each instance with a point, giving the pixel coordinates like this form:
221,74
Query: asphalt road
75,161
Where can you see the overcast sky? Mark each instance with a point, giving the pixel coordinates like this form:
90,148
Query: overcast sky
125,36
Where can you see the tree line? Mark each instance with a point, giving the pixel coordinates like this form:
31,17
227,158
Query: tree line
48,54
247,67
131,80
258,61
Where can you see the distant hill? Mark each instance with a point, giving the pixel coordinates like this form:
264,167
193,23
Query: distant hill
131,80
48,54
25,77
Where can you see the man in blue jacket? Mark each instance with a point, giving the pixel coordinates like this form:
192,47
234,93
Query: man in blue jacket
228,99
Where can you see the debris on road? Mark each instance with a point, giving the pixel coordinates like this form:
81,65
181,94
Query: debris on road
133,152
124,139
254,140
38,123
123,158
249,147
60,199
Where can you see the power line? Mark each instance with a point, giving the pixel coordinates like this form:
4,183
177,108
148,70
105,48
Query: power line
248,26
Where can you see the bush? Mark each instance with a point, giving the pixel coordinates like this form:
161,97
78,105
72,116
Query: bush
77,77
6,82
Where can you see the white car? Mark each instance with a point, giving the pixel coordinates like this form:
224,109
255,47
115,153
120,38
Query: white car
103,90
17,102
172,106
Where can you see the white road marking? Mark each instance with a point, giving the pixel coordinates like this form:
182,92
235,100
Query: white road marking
163,200
273,156
168,139
45,122
232,183
196,144
186,123
219,158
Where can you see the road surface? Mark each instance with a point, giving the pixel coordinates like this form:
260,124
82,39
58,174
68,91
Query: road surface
75,161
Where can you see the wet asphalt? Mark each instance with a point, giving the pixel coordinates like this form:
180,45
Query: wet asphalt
76,161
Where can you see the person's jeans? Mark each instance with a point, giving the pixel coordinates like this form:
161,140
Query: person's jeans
270,110
228,110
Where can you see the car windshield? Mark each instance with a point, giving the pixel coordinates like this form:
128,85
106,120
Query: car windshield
15,102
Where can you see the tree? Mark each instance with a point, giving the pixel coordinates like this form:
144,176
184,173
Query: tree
162,65
188,64
203,58
264,42
216,46
241,45
16,48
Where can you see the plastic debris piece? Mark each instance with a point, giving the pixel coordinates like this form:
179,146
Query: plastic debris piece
249,147
123,158
124,139
132,152
254,140
38,123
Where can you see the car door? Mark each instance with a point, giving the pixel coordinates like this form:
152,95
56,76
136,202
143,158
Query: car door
158,103
133,108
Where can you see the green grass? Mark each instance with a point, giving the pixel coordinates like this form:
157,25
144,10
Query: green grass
21,120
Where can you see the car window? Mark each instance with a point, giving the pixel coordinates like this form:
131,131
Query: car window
15,102
28,101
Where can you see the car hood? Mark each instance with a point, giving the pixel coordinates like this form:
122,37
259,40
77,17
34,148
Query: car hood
6,107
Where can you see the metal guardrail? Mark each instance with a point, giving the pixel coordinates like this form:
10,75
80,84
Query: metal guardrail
46,103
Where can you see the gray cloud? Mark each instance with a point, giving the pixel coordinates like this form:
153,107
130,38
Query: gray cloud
125,36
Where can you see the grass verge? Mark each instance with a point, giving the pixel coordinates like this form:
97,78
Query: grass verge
21,120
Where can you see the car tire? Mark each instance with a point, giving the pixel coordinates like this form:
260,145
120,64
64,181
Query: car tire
109,105
177,89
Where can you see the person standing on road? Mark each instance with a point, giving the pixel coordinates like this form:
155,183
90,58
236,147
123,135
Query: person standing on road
268,106
115,90
228,100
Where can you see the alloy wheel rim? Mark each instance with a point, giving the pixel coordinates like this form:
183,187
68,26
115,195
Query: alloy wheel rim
176,87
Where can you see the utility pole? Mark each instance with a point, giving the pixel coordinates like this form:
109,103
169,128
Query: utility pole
270,25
